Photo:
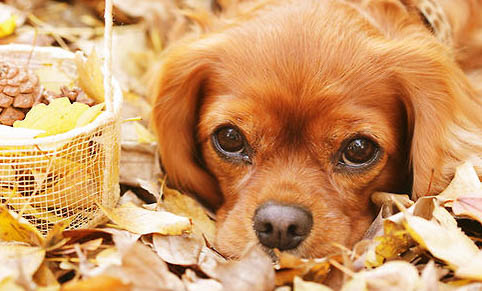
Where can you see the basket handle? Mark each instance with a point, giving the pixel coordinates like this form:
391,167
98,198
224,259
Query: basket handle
108,94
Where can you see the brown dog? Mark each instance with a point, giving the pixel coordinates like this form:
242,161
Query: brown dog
287,115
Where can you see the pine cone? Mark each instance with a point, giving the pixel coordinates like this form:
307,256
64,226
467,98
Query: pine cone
75,95
19,89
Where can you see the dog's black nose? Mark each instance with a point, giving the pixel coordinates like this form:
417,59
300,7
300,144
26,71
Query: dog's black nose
282,226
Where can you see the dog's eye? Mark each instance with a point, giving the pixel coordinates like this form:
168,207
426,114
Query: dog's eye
229,140
359,152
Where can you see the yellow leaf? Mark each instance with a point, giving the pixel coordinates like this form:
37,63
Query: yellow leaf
101,282
7,27
58,117
14,228
90,75
394,241
142,221
89,115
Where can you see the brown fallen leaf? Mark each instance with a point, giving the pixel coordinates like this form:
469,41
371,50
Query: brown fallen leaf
177,250
142,268
254,272
142,221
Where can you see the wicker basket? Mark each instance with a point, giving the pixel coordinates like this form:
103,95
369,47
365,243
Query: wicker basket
65,176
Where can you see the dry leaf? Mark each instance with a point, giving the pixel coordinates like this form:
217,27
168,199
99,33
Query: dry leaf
99,283
18,229
19,260
46,277
59,116
300,285
469,205
194,283
181,204
90,75
472,269
142,268
209,260
464,182
394,241
386,277
142,221
177,250
449,244
144,135
254,271
10,19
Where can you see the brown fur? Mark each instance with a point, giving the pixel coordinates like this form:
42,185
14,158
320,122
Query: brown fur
298,78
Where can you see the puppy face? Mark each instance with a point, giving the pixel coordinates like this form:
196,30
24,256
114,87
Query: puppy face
314,151
296,114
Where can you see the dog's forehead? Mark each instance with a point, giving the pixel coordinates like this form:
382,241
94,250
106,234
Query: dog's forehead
302,53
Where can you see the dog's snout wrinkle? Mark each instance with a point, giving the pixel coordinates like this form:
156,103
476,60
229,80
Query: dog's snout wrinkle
282,226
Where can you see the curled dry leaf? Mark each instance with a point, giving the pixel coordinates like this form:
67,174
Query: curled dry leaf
142,221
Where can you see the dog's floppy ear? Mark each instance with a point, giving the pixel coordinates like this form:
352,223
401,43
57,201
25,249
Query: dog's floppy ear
444,115
179,90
